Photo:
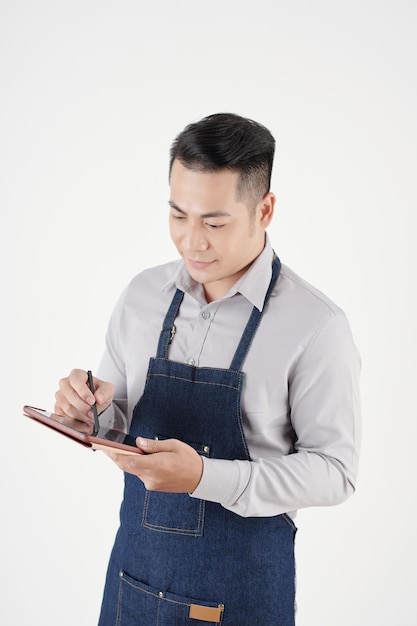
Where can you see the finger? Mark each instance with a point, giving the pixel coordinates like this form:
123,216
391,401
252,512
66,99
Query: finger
78,380
74,398
67,402
128,462
104,392
150,446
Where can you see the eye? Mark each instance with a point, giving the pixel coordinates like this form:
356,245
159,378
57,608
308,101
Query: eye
214,226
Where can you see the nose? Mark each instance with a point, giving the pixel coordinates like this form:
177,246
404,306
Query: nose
194,238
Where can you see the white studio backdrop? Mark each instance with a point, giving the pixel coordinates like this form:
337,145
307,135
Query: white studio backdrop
91,95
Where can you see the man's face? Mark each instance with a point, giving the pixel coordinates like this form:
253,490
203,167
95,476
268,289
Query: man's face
217,236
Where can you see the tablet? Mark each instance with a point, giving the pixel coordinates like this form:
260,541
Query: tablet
105,439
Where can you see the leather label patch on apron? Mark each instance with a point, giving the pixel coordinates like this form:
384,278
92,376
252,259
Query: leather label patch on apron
206,613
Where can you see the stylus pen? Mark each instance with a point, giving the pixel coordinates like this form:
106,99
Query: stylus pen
91,385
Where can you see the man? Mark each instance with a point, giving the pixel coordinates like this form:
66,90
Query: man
245,405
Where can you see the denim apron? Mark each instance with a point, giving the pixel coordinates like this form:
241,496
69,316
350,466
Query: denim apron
178,560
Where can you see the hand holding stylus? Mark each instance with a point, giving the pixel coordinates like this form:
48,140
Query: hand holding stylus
75,399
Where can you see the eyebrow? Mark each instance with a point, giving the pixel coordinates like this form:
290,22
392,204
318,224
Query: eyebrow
204,215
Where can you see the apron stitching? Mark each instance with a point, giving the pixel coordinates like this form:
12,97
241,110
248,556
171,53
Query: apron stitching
197,382
158,597
119,603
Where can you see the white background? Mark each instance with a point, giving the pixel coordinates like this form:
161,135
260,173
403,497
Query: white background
91,95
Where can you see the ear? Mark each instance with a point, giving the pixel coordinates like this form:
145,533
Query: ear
265,209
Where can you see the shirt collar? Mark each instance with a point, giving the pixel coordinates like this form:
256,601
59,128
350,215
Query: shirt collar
252,285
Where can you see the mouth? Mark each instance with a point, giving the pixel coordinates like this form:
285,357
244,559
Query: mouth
199,265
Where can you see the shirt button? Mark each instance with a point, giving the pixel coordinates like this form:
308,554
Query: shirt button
205,314
191,361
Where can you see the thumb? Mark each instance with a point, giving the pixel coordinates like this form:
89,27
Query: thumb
103,392
154,445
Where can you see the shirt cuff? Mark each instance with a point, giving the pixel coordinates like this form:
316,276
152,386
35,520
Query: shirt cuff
222,481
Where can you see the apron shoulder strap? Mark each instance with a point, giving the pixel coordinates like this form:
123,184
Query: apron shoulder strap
254,321
168,327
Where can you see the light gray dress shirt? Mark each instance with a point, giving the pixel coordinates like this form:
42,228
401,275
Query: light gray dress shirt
300,402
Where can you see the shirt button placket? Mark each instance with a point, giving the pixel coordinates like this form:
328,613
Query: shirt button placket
206,316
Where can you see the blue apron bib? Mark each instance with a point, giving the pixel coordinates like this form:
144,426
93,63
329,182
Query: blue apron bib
178,560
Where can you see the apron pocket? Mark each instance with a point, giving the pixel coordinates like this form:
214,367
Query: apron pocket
175,513
141,604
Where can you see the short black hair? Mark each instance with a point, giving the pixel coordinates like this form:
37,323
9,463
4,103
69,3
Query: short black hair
228,141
